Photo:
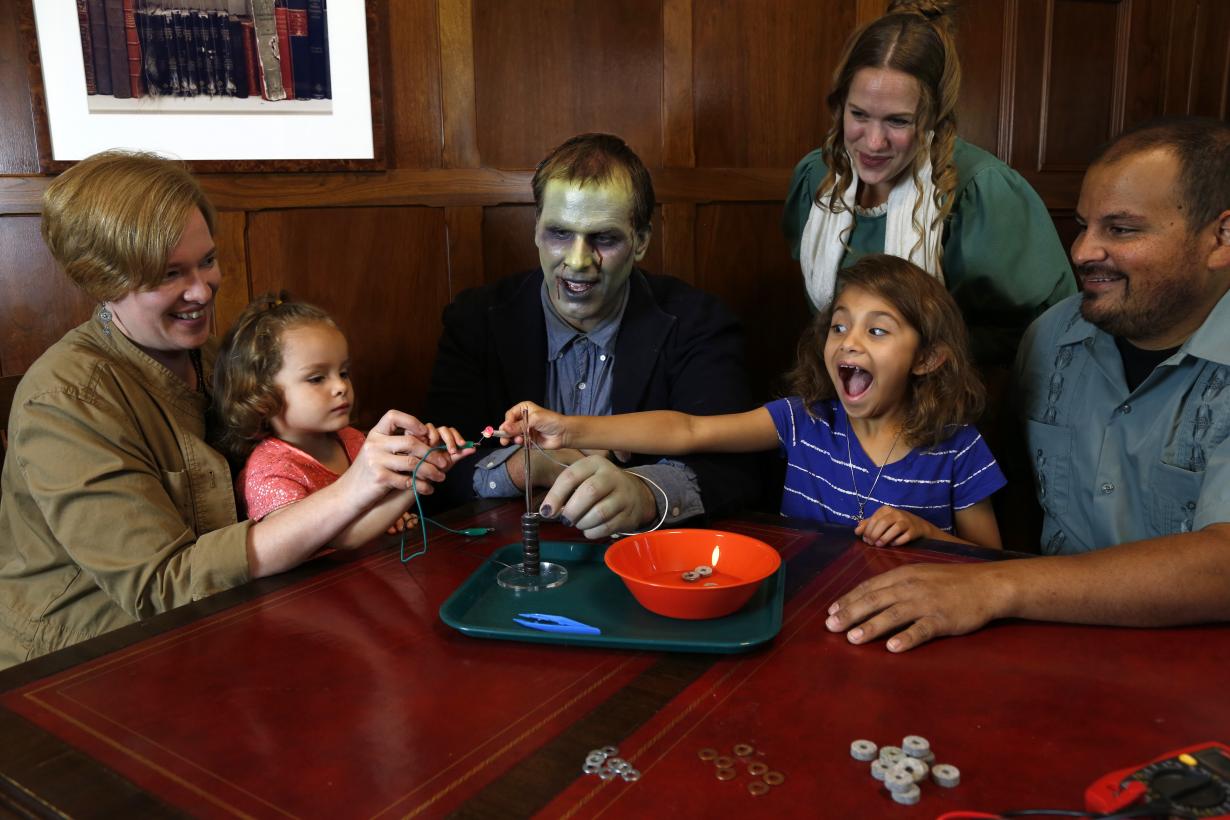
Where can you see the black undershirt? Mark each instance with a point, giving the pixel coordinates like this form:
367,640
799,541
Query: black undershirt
1138,363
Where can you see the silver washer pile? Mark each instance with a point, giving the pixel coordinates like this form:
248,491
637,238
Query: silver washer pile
902,769
604,763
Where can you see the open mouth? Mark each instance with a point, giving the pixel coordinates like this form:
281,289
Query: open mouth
855,381
189,315
575,287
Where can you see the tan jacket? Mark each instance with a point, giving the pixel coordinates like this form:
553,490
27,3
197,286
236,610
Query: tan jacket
113,507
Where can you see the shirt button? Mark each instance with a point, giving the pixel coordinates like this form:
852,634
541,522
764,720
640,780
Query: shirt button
602,358
675,511
1108,488
1125,408
581,386
491,485
490,464
1191,505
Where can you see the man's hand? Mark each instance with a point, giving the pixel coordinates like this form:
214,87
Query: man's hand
599,498
889,526
929,600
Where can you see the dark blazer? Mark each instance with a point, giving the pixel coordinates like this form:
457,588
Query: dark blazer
678,349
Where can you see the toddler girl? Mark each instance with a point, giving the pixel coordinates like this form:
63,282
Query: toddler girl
283,401
878,434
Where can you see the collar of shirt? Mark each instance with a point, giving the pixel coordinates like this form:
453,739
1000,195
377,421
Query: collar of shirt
1211,341
560,334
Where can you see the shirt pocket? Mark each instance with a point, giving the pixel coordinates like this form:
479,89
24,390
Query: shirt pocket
1050,454
179,487
1173,493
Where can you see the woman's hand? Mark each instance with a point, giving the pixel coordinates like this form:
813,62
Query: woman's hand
406,521
548,429
891,527
395,447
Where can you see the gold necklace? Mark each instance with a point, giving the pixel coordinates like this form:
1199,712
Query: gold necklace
859,497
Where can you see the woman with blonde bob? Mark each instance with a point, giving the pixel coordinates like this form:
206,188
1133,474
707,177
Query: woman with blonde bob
893,177
115,507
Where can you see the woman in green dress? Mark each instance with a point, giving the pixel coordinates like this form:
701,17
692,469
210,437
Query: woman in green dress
894,177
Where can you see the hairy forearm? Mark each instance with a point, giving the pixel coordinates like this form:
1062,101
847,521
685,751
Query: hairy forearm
1177,579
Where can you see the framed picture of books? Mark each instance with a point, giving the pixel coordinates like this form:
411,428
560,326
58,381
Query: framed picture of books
229,85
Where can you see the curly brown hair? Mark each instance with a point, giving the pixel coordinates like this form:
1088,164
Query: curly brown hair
245,397
915,38
950,394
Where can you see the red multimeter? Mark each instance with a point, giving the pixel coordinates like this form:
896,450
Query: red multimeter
1195,782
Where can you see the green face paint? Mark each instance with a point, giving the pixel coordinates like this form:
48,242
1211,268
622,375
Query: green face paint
587,248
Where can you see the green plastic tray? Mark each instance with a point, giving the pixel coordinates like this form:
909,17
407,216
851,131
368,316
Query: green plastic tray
596,596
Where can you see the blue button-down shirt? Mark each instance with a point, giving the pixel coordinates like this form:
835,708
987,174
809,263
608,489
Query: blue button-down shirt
1112,465
580,374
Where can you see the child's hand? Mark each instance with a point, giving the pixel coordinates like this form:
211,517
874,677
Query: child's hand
889,526
450,438
548,429
407,521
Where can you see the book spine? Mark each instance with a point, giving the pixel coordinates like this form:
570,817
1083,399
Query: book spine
251,63
300,47
324,17
173,83
230,66
136,76
182,26
203,49
284,52
87,52
117,44
316,46
99,48
152,60
265,29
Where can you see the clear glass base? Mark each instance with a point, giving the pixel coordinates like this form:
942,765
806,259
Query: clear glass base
549,576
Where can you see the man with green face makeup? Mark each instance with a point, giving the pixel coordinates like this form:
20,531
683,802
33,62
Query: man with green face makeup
590,333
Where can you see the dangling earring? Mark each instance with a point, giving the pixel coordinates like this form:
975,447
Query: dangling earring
105,316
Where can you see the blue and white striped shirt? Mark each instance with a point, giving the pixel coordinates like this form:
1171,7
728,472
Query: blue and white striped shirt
930,482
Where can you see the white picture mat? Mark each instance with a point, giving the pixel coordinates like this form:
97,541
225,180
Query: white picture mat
345,132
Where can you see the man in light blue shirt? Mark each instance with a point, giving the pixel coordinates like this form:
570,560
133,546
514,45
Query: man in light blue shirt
1126,398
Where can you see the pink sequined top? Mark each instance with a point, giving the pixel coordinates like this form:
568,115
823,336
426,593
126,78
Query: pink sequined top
278,473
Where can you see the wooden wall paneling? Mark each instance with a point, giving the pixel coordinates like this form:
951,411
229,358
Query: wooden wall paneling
980,28
678,241
869,10
18,144
412,79
1210,84
743,259
546,70
380,272
38,303
762,73
1079,77
465,248
1180,54
457,84
678,120
508,240
1149,54
235,292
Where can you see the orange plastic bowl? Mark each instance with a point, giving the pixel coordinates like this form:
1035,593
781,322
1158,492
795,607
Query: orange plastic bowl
652,565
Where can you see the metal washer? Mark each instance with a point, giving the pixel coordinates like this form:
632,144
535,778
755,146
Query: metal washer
757,788
863,750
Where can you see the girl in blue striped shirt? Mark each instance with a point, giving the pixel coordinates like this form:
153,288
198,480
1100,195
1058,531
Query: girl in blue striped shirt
879,433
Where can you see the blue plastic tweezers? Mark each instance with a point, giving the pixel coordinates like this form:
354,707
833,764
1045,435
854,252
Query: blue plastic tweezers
555,623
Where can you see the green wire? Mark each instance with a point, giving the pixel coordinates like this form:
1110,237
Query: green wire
469,532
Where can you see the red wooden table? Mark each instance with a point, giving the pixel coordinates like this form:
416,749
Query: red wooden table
336,691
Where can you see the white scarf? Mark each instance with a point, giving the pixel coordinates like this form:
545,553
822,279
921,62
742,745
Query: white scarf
823,244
